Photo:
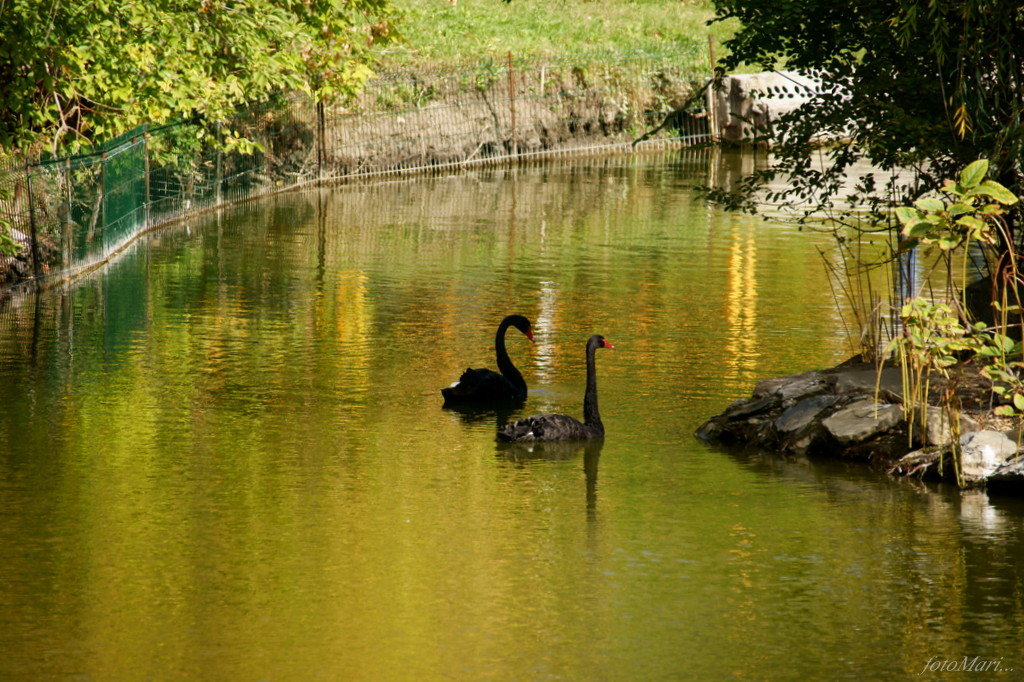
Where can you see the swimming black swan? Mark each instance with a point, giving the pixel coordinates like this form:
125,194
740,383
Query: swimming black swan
562,426
478,386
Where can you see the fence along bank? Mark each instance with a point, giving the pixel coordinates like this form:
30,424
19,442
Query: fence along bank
71,214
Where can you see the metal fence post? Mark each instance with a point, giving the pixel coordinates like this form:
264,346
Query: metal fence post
67,227
712,96
321,142
147,214
103,199
513,143
37,265
218,166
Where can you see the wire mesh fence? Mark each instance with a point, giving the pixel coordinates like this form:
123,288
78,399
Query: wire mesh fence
69,214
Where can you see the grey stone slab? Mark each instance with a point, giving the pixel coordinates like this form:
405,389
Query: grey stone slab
803,413
752,407
863,381
862,420
772,386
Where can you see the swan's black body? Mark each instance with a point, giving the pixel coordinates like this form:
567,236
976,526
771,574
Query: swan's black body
483,386
547,427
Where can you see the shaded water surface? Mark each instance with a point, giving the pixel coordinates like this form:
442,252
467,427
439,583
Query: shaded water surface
224,456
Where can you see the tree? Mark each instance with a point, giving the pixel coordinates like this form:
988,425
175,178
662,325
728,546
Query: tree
927,85
77,73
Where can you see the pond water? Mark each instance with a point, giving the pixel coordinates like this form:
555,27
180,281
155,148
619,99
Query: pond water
224,455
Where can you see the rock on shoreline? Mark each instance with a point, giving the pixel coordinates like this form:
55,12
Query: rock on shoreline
837,413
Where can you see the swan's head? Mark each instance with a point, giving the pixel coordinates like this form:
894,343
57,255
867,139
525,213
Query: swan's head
598,341
522,324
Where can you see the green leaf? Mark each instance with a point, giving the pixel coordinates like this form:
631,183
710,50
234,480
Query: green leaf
906,214
918,229
960,209
991,188
1004,411
930,204
974,173
908,244
1018,401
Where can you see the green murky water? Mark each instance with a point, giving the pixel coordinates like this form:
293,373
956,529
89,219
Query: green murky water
224,457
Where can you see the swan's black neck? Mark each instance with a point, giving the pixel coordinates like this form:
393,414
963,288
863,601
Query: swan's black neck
591,415
505,366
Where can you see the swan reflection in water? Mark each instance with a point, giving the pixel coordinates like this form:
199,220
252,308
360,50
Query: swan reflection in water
497,414
522,453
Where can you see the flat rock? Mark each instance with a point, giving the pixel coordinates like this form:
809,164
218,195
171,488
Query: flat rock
796,382
853,381
747,408
803,387
862,420
982,453
1009,476
799,416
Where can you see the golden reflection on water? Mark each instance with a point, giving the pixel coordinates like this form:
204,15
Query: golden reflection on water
741,327
224,457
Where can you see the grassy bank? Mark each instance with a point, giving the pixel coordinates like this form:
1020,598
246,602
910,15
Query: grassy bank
438,32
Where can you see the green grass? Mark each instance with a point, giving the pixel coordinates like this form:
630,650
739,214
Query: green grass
438,32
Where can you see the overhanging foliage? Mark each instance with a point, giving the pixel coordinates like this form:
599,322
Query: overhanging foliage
927,85
76,73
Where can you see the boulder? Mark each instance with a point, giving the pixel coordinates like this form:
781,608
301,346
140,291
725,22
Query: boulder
938,431
983,457
710,431
862,420
982,453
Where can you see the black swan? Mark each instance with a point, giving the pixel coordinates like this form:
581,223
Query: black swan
477,386
562,426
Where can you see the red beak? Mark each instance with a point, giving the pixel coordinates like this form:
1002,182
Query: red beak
608,345
529,334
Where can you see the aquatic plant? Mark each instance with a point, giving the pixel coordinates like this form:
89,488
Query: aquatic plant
936,336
